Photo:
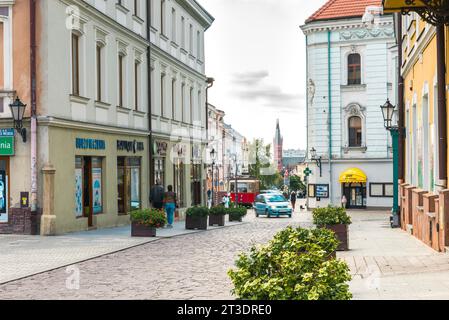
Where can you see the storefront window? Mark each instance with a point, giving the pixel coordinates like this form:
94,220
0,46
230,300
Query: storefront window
128,184
195,177
178,170
159,172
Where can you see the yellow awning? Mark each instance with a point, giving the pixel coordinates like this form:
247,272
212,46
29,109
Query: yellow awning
397,5
353,175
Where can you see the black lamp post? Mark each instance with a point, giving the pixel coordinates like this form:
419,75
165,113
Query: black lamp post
213,156
388,112
17,111
316,159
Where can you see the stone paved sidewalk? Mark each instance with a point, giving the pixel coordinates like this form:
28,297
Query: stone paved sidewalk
390,264
23,256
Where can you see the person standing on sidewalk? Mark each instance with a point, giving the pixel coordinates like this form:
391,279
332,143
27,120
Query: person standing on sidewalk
170,205
343,201
157,195
293,199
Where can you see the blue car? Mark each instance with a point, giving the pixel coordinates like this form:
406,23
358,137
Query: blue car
272,205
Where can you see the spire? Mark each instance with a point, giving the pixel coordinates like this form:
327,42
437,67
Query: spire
278,137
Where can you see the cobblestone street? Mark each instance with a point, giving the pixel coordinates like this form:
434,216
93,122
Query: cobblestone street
385,264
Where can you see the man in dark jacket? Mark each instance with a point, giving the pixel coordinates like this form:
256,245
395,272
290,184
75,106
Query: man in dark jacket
157,195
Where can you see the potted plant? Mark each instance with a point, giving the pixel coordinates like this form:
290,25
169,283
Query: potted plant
144,222
236,214
196,218
217,216
335,219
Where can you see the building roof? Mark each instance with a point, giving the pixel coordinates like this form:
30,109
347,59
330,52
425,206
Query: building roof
337,9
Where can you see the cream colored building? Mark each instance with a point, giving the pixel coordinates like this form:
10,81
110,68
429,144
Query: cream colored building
178,99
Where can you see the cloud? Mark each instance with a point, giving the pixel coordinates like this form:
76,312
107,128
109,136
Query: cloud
249,86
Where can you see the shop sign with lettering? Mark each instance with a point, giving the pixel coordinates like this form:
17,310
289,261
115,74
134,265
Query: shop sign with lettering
6,142
92,144
130,146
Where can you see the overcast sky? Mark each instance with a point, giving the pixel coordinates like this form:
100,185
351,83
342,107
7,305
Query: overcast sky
255,50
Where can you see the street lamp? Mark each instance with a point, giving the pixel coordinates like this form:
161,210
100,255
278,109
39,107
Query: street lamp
213,156
17,111
316,159
387,113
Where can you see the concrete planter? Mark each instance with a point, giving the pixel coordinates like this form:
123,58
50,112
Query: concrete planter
140,230
193,222
236,218
341,231
217,219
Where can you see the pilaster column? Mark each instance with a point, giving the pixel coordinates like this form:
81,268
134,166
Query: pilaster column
48,219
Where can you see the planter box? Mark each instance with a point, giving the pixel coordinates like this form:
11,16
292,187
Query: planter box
140,230
341,231
193,223
217,219
235,218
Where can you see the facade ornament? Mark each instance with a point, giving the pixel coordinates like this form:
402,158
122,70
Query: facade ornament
311,91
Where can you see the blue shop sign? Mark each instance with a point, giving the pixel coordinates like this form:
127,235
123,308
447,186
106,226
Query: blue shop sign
93,144
7,132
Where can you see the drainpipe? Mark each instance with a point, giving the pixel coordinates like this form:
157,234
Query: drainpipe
150,119
34,187
330,110
401,145
442,115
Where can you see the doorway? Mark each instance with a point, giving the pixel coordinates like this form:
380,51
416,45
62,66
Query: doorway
355,194
4,189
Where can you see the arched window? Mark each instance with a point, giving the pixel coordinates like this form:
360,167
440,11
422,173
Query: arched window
355,131
354,69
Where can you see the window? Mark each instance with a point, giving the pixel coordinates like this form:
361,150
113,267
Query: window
191,39
191,105
173,98
136,84
163,17
128,184
75,65
355,131
178,170
183,88
162,93
183,32
136,8
198,45
121,65
159,170
354,69
99,70
173,25
195,178
381,190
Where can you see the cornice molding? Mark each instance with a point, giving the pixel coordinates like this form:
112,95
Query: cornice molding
197,11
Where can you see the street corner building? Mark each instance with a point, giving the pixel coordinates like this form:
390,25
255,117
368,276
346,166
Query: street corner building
83,160
421,32
178,86
350,73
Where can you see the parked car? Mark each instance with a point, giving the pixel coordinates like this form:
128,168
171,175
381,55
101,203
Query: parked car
270,192
272,205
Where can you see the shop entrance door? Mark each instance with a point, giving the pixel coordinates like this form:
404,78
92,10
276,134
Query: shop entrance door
87,191
355,194
4,189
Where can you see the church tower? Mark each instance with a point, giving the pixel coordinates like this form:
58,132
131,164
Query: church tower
278,147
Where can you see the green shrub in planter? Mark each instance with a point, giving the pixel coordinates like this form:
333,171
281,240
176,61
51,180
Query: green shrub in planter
197,212
236,214
218,210
330,216
149,217
217,216
294,265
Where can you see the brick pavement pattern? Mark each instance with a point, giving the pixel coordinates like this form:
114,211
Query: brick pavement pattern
192,266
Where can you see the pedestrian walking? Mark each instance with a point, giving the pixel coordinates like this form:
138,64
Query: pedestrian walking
343,201
157,195
209,198
293,199
225,201
170,202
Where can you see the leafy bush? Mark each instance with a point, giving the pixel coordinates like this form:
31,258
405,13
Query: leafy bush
198,211
296,264
237,212
330,216
149,217
218,210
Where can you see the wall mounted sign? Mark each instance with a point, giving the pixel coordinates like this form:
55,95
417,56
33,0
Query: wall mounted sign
130,146
161,148
180,150
78,192
322,191
196,152
6,142
92,144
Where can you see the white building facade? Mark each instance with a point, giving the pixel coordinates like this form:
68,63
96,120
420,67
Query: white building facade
178,97
350,73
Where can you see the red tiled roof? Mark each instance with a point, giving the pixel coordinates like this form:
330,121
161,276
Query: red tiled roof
336,9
